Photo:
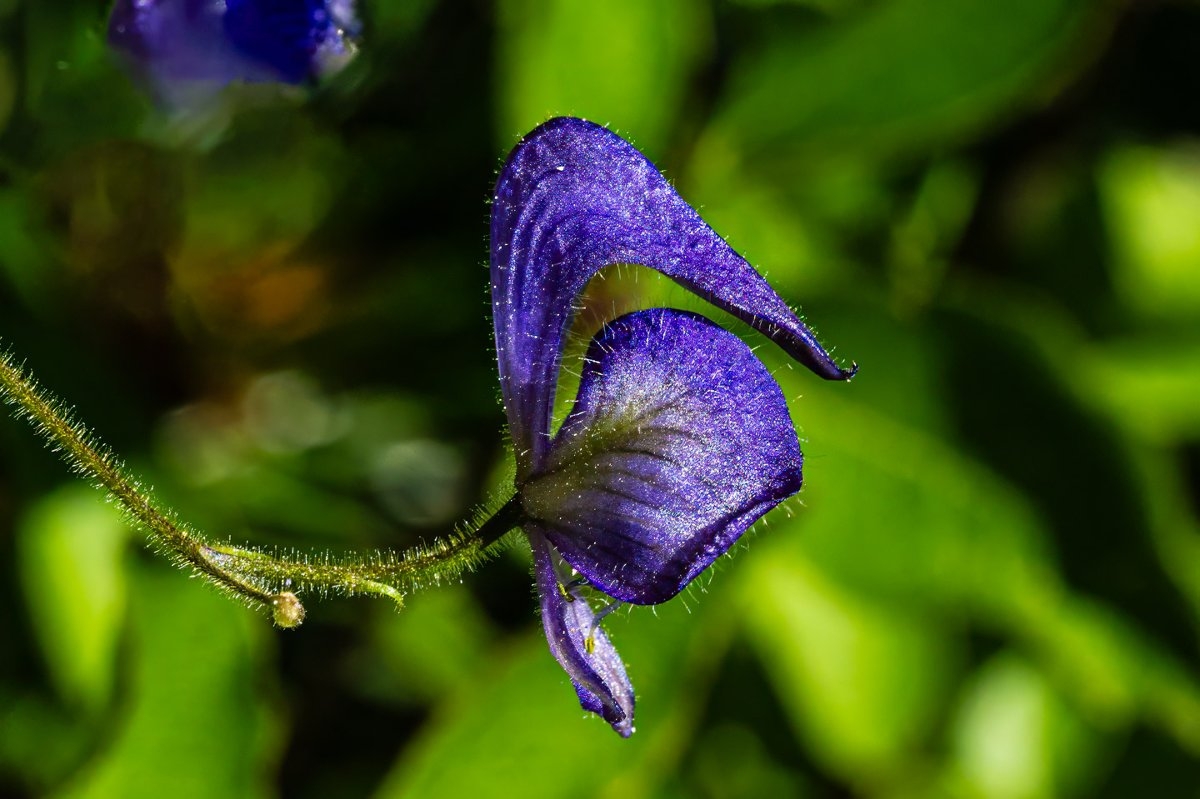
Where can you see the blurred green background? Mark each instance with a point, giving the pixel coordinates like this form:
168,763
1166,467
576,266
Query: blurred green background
276,310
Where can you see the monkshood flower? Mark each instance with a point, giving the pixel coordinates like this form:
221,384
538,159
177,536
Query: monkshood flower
186,48
679,439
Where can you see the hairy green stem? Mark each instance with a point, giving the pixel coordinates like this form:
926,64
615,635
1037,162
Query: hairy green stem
269,580
387,574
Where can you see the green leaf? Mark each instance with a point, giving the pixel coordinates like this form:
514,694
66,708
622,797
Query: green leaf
71,548
941,529
1152,200
199,723
1149,386
901,524
1015,736
624,63
900,73
861,679
1113,671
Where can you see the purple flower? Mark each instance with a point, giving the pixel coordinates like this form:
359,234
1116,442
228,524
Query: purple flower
189,47
679,439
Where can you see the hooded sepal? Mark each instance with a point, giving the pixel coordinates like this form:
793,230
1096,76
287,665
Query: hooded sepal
573,198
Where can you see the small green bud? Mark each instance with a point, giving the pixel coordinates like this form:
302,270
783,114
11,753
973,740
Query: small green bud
287,610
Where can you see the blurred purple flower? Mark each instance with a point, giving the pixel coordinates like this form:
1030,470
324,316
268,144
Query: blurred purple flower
679,438
189,47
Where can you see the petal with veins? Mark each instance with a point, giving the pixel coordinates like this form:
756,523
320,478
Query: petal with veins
580,645
678,441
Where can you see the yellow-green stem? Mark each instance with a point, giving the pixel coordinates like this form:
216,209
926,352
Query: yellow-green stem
266,580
